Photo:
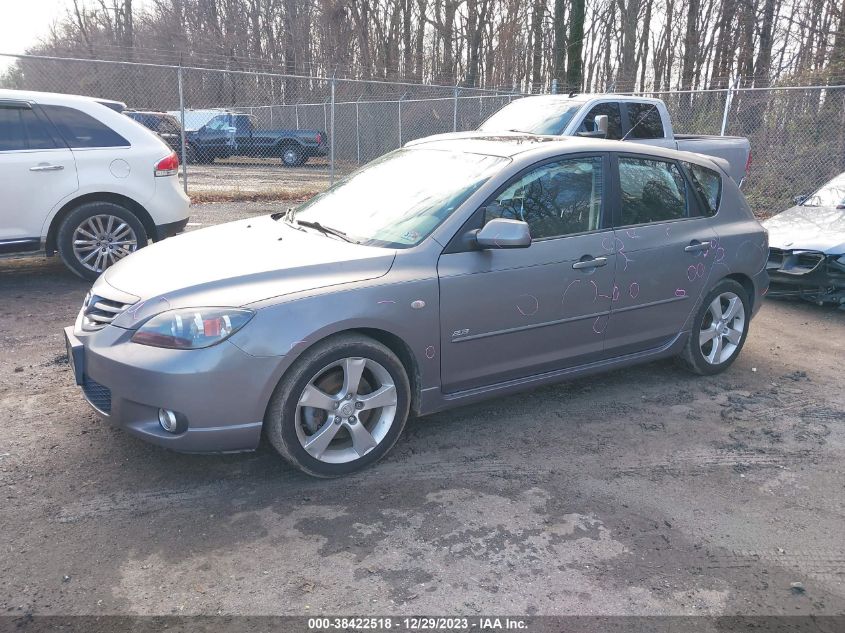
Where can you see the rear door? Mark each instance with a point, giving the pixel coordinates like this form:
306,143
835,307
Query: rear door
665,249
507,314
37,171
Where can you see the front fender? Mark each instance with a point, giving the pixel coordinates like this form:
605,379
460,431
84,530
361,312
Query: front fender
286,330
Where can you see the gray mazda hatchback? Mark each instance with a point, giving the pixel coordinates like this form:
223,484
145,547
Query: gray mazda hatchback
438,275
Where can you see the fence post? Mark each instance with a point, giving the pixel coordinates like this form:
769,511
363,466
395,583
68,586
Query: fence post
182,123
554,86
455,111
400,118
296,114
358,130
331,139
728,99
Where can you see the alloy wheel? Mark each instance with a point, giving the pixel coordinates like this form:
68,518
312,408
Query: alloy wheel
722,328
101,240
346,410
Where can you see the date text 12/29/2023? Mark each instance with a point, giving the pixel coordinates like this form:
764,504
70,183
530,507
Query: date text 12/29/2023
479,623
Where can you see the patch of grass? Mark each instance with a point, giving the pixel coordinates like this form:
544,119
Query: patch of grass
263,195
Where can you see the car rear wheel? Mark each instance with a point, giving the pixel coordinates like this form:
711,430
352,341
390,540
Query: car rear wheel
340,407
719,329
95,235
292,156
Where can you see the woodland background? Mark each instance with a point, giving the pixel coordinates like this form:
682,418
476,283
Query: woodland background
585,45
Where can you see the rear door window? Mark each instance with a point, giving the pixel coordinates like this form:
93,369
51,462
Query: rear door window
645,122
614,119
650,191
20,129
80,130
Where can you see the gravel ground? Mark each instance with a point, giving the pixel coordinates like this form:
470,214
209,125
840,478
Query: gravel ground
644,491
248,177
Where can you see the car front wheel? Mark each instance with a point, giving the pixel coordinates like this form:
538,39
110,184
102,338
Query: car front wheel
340,407
719,329
95,235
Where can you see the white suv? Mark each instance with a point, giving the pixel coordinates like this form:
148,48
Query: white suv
82,180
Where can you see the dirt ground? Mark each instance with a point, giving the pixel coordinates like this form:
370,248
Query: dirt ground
241,177
644,491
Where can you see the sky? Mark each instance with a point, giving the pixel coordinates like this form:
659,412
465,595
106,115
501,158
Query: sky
24,22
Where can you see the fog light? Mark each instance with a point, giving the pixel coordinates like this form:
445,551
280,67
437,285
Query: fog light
168,420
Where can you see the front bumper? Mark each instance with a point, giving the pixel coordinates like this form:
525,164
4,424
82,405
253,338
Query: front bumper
806,274
221,390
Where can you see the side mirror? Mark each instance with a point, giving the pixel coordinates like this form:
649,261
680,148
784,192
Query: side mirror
600,123
800,199
501,233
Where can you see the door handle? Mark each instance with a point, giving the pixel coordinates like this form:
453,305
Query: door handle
47,168
590,263
696,247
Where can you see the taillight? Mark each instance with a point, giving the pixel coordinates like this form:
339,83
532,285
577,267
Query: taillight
319,138
167,166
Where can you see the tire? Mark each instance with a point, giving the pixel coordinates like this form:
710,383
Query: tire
291,426
98,232
292,155
714,344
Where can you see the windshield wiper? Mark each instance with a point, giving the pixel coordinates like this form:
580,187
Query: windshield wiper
287,215
326,230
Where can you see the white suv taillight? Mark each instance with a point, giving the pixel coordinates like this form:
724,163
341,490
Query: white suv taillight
168,166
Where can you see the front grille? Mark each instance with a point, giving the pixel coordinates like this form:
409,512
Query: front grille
794,262
98,312
98,395
776,256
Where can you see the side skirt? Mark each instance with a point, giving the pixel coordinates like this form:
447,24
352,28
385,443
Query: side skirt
433,400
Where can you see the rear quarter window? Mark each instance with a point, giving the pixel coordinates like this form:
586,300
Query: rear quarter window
81,130
708,184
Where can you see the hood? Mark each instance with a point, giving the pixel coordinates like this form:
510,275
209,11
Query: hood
242,262
808,228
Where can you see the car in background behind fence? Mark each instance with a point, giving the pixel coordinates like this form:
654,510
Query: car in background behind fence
212,133
166,126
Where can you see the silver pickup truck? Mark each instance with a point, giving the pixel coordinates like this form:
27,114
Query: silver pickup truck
616,117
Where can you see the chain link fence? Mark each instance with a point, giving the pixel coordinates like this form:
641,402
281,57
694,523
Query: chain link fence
797,134
357,121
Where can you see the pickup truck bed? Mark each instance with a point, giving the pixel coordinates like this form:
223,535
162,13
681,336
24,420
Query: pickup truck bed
735,150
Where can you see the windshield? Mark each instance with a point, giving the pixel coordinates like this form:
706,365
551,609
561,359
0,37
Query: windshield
536,116
399,199
831,195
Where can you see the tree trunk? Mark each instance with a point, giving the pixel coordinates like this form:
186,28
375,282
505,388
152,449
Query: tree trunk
574,50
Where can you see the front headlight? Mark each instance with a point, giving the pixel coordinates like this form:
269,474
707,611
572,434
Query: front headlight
191,328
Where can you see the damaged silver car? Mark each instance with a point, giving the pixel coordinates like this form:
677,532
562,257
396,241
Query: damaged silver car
807,246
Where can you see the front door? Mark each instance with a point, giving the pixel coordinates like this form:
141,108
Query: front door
37,171
664,250
507,314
